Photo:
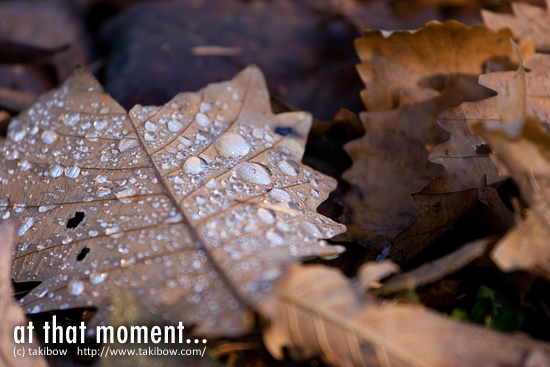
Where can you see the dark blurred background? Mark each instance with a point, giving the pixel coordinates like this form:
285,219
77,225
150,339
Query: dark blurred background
148,51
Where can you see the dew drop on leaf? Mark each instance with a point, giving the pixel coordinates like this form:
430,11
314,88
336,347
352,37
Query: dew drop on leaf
195,165
232,145
253,173
202,119
49,136
76,287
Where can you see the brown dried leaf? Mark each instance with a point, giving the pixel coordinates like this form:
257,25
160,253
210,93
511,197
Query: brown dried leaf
422,80
465,157
527,157
528,21
197,207
321,314
11,314
426,58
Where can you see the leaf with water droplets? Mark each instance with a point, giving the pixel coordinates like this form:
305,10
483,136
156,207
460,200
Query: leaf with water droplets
11,314
196,207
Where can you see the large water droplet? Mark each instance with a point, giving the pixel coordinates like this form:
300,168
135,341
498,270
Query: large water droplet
266,216
174,125
274,238
150,126
27,223
127,143
70,119
289,167
97,278
103,191
202,119
150,135
253,173
311,229
49,136
232,145
100,124
280,195
56,171
76,287
72,172
195,165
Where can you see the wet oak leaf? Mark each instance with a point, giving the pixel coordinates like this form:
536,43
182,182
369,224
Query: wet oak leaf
197,207
525,151
466,158
322,314
10,311
390,161
426,58
527,21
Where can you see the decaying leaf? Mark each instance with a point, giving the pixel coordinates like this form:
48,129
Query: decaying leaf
524,148
11,314
434,270
466,159
197,207
427,58
321,314
528,21
421,79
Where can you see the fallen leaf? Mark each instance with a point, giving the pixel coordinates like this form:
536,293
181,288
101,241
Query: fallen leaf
426,58
528,21
11,313
406,71
197,207
321,314
523,146
466,159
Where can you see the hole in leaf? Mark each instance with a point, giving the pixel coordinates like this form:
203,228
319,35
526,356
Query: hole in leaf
283,130
76,220
483,149
23,288
82,254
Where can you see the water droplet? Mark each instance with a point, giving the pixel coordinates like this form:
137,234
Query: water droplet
103,191
100,124
127,262
24,165
258,132
211,183
56,171
205,107
42,293
76,287
150,126
253,173
112,230
97,278
274,238
311,228
72,172
70,119
27,223
93,233
202,119
195,165
266,216
174,125
232,145
24,246
184,140
45,208
125,193
104,110
150,135
127,143
49,136
6,215
280,195
289,167
36,309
